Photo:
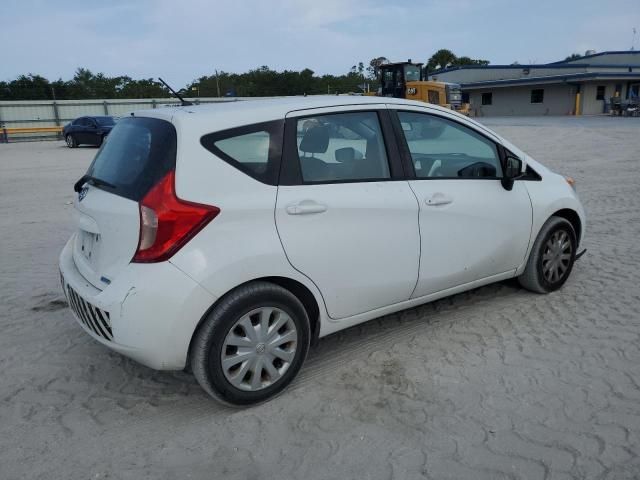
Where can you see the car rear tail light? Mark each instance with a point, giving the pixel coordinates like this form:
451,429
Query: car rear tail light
168,223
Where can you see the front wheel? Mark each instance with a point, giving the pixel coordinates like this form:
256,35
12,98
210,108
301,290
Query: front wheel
71,141
251,345
552,257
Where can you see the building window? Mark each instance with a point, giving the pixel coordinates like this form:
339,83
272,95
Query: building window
600,92
487,98
537,95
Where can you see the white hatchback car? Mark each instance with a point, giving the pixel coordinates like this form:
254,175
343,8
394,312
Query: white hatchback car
228,237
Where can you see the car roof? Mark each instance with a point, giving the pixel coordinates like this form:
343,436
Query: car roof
273,108
93,116
226,114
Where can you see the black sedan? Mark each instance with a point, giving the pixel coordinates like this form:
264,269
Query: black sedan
87,131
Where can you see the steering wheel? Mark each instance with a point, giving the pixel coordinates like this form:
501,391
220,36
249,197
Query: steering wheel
477,170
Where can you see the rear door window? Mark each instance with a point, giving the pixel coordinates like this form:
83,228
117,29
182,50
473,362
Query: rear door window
342,147
135,156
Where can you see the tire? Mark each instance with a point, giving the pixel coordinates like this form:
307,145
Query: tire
71,141
552,257
233,331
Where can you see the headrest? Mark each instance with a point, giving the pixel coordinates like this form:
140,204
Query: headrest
315,140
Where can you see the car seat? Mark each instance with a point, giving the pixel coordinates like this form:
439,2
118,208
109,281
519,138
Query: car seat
315,140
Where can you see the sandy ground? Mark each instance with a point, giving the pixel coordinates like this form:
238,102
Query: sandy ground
494,383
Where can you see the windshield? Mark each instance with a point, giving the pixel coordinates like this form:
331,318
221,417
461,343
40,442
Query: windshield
135,156
412,73
105,121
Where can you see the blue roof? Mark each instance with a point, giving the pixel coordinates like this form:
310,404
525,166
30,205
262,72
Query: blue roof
614,52
552,79
560,64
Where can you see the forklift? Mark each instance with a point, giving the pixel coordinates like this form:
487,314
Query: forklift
406,80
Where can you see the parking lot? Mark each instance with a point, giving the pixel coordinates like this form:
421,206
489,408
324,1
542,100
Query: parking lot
493,383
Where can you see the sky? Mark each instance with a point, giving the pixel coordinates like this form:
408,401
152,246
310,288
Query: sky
181,40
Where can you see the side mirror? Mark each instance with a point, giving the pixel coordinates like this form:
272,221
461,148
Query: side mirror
512,171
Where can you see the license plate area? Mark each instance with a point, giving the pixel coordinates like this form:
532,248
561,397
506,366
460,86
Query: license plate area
89,245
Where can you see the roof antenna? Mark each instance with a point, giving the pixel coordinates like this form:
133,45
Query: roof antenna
184,102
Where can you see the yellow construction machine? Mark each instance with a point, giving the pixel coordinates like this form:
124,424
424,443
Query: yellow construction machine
405,80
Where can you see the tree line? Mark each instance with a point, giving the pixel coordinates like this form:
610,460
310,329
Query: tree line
259,82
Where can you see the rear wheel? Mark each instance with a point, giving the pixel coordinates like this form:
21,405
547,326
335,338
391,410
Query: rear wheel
251,345
552,257
71,141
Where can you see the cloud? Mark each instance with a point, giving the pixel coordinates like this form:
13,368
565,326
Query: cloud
184,40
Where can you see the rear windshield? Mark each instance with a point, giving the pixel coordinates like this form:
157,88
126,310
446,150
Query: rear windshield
135,156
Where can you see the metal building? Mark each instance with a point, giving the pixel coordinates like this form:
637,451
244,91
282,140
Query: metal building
581,86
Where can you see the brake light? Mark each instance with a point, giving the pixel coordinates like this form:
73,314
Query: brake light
168,223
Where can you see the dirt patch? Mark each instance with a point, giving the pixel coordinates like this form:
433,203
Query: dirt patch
490,384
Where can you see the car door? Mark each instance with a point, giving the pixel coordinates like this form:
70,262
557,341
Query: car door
92,136
82,131
346,216
471,227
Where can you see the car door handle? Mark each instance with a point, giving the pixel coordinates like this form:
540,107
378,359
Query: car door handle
306,207
438,199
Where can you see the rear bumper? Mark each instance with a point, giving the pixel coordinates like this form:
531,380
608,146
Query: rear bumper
153,310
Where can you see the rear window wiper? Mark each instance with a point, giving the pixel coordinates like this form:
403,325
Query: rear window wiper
93,181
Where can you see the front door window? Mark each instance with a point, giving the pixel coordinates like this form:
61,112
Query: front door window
441,148
341,147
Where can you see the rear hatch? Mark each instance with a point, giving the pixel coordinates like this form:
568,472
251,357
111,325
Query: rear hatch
137,154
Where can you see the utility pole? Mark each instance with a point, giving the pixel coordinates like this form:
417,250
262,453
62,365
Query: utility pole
217,82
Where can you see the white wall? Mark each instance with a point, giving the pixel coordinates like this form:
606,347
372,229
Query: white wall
592,106
558,100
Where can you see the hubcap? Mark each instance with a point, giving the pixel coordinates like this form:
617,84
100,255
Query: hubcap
556,257
69,140
259,348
